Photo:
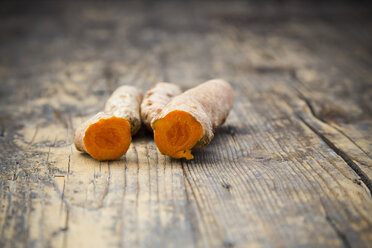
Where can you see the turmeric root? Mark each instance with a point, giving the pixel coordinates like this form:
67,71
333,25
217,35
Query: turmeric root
189,120
108,134
155,100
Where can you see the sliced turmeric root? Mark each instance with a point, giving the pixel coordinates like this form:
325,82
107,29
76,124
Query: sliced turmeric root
189,120
107,135
108,139
177,133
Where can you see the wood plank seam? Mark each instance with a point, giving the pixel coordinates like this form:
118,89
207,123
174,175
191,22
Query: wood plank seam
342,234
342,154
312,111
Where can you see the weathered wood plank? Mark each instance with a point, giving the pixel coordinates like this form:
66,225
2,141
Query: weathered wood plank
291,167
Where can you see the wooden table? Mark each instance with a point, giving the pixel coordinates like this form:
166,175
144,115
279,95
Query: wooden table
291,167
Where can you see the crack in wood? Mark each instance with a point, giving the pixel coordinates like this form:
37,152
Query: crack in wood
342,154
312,111
69,164
107,186
197,203
15,175
28,213
226,185
189,207
339,233
65,228
2,132
33,137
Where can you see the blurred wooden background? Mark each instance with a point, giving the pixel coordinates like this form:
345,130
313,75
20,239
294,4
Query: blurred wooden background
291,167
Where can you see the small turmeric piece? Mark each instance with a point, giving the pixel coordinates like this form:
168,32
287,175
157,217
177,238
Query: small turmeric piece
189,120
155,100
108,134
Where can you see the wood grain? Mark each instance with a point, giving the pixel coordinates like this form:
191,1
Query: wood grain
290,167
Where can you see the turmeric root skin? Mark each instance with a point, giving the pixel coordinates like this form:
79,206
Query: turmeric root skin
189,120
125,102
